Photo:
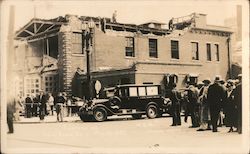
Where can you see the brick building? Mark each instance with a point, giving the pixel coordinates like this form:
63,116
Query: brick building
51,53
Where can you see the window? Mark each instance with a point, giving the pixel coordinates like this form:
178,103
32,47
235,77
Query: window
174,49
142,91
153,48
217,52
209,57
130,52
195,50
77,43
32,85
132,91
51,84
152,91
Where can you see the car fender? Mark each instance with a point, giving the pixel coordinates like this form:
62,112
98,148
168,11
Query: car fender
152,103
103,106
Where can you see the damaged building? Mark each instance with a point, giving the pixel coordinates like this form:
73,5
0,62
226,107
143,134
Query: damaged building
51,54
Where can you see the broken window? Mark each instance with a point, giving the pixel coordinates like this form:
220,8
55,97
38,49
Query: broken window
51,46
195,50
217,52
174,49
77,47
209,56
153,48
130,52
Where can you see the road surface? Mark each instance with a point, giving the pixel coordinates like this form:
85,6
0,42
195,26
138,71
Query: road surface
122,135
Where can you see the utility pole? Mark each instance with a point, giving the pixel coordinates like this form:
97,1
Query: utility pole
87,33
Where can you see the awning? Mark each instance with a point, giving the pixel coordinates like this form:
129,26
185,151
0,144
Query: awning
39,27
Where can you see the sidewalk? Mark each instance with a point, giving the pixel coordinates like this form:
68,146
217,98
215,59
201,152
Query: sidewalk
47,119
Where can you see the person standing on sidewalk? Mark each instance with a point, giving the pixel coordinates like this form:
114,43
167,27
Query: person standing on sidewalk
216,96
10,114
28,106
51,103
175,106
193,95
204,112
237,92
42,106
35,105
59,103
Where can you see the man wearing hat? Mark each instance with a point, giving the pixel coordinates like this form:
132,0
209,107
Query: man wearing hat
237,93
216,96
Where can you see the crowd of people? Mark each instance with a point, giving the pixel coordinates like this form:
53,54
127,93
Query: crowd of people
43,105
210,105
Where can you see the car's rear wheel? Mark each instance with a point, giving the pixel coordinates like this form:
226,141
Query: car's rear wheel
136,116
152,111
100,114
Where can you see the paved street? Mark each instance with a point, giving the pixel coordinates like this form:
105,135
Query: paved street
121,135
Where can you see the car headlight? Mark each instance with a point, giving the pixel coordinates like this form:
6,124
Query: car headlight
166,101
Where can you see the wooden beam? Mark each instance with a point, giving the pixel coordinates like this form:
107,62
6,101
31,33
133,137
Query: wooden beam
29,32
42,37
22,29
49,22
49,28
40,27
58,28
35,28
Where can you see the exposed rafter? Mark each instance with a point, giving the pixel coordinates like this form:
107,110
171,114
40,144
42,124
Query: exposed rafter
27,31
40,27
37,27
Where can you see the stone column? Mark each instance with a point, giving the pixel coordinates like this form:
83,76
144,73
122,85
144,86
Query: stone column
64,60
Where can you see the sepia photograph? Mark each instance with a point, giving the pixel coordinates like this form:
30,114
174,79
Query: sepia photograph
110,76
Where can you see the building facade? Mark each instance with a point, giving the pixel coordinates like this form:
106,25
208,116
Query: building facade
54,53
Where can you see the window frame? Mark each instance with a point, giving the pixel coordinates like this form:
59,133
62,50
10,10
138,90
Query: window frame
217,52
81,43
209,56
175,50
153,53
195,54
127,46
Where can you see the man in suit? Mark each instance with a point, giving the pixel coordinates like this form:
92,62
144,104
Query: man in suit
193,95
216,97
28,106
175,108
42,106
237,93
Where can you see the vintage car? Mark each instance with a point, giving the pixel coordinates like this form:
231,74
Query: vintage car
134,100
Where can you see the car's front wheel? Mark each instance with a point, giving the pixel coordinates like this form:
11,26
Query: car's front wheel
152,111
100,114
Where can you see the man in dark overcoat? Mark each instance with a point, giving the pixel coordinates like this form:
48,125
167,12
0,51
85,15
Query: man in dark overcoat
175,108
28,106
216,97
237,93
42,106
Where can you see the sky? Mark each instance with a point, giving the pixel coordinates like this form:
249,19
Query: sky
136,12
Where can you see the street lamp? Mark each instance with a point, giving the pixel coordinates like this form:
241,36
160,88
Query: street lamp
87,39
